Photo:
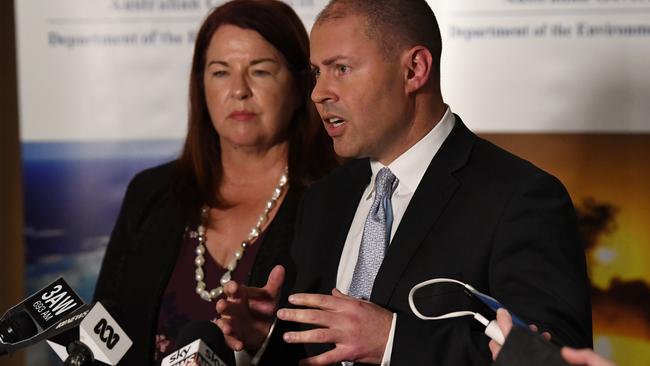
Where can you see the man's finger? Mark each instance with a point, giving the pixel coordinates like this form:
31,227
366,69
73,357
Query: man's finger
318,335
494,349
232,290
325,302
221,306
231,339
504,320
327,358
227,308
339,294
306,316
225,326
235,345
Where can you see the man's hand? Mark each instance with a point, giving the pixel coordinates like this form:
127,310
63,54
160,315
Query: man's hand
359,329
504,320
247,313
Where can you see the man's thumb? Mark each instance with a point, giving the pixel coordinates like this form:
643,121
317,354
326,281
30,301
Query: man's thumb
275,281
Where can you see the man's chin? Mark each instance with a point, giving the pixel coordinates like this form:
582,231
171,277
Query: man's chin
345,150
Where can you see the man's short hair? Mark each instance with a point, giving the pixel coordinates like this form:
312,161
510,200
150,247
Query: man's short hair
395,24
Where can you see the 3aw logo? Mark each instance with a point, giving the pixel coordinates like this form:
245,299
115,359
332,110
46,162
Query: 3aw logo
106,333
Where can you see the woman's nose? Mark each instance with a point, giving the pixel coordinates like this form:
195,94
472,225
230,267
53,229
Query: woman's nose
241,89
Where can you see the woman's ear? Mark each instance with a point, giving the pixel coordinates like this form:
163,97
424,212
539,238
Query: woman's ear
417,62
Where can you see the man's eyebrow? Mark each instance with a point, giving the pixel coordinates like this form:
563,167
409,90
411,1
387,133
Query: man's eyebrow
331,60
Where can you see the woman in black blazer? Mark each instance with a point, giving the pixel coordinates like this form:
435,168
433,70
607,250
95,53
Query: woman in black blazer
225,209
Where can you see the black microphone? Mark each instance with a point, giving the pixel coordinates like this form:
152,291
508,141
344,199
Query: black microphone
32,319
204,345
17,327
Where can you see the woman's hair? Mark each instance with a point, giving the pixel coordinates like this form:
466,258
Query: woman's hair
199,170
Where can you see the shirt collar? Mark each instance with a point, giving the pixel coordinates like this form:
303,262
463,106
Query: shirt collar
410,167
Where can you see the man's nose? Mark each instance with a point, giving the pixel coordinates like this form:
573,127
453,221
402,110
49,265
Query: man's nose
322,92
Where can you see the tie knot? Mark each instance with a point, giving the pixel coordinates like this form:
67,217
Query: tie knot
385,182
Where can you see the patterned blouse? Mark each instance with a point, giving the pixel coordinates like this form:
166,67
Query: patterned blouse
180,303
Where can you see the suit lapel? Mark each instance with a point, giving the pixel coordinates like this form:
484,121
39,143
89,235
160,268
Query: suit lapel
434,191
345,202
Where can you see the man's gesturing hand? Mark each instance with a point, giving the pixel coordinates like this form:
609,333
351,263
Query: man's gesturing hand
359,329
247,313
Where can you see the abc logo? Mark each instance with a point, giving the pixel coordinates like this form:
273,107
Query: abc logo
106,333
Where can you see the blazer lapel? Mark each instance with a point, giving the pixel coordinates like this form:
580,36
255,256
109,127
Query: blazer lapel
161,238
436,188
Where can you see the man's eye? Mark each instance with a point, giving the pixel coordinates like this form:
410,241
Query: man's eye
315,72
342,69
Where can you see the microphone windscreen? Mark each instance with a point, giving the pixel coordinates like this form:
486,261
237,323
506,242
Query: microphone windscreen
211,335
17,328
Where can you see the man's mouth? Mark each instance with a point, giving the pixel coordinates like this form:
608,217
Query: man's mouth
335,121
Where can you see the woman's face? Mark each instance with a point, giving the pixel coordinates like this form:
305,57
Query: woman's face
248,89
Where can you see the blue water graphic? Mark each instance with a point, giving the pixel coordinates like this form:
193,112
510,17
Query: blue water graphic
72,194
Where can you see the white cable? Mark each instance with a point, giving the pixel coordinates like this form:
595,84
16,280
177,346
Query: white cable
431,282
492,330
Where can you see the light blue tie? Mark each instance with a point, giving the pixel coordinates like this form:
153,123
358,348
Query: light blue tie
376,236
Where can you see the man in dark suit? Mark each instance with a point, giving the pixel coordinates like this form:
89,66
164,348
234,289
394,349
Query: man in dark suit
423,198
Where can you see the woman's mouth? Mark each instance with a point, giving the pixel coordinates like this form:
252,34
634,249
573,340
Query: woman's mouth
242,115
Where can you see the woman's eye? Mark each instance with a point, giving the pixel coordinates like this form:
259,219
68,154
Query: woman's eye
261,73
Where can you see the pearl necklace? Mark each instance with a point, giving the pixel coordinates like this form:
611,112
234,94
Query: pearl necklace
199,260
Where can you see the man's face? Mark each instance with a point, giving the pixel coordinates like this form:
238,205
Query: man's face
359,91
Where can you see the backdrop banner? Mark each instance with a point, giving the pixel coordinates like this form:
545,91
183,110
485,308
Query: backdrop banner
547,65
103,95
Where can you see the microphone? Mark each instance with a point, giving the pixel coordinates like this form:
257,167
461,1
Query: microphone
33,319
201,339
98,337
17,327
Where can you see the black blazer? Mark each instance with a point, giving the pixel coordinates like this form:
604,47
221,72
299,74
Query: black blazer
480,215
142,251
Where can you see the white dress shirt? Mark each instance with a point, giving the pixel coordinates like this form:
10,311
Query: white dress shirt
409,168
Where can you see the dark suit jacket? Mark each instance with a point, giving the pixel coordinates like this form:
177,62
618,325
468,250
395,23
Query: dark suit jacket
480,215
142,253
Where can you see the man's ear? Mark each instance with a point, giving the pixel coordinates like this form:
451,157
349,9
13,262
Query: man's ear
418,62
